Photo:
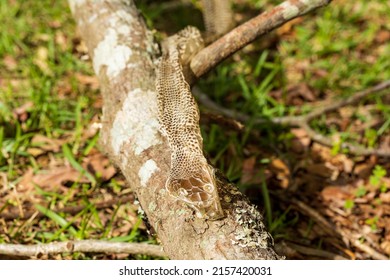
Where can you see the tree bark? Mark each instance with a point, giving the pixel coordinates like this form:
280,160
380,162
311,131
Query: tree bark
123,52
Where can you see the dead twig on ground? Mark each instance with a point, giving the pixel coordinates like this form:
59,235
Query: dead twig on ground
314,252
82,246
223,121
328,227
303,121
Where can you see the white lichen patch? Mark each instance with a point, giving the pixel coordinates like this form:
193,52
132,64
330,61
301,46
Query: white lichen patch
162,192
74,4
140,211
136,123
252,232
152,206
125,17
123,29
92,18
310,3
289,11
146,171
111,54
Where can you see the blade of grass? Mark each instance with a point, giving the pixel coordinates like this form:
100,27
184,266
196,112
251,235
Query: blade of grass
108,227
1,143
57,219
69,156
133,234
266,199
279,221
91,144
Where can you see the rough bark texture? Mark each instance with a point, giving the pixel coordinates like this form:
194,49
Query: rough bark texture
123,52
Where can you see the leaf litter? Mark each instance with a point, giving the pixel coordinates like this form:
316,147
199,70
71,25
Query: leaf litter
344,189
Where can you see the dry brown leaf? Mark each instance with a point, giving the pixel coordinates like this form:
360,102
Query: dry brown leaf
385,246
384,142
382,36
335,193
21,113
248,166
303,91
47,144
299,132
44,37
347,163
10,62
250,172
297,146
41,60
35,152
287,28
80,46
282,172
301,142
55,24
385,197
297,94
320,169
279,165
55,177
320,153
25,183
91,81
295,69
98,163
363,170
61,40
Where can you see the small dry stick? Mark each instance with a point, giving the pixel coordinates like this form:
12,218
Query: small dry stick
316,216
82,246
246,33
314,252
303,121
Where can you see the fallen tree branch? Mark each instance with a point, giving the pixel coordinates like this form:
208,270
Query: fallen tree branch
303,121
353,99
247,32
123,53
82,246
314,252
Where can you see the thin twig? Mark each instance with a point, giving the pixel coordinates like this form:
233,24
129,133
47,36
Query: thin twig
315,215
210,104
356,97
82,246
328,227
314,252
69,209
247,32
350,148
303,121
369,250
221,120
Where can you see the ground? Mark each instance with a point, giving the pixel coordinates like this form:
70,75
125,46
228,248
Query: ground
318,201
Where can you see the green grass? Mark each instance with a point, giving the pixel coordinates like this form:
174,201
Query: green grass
335,52
41,68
